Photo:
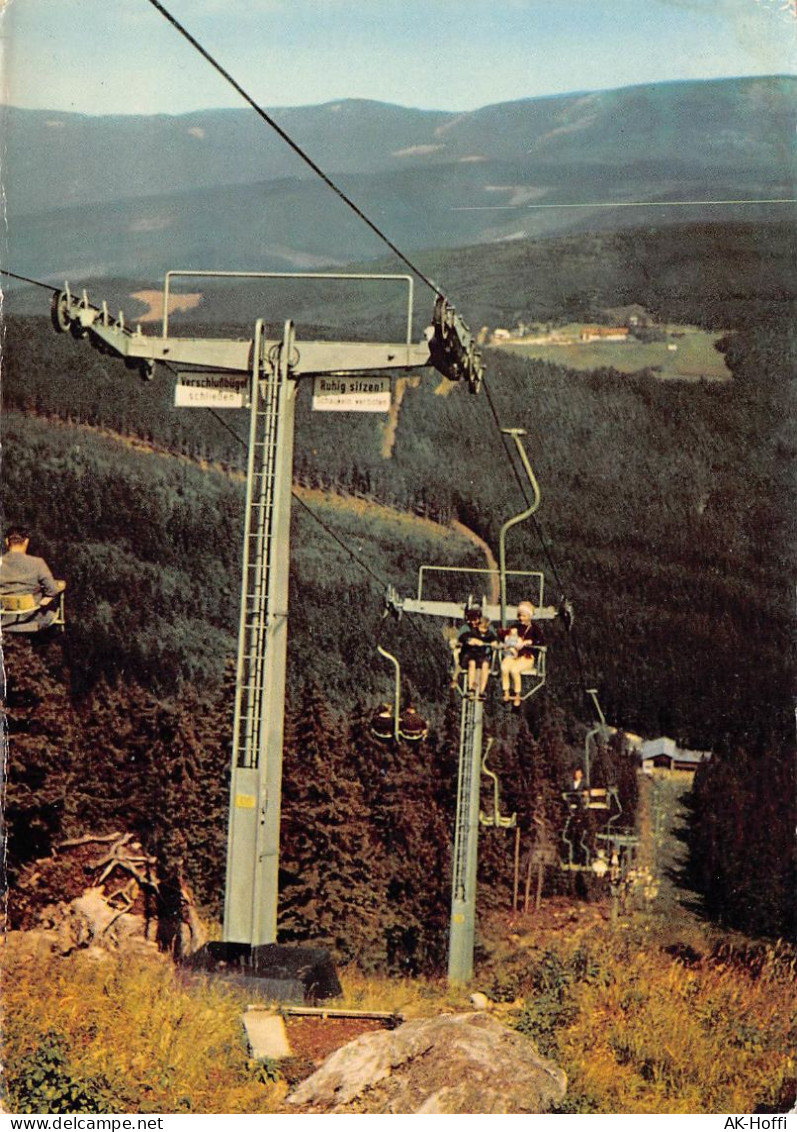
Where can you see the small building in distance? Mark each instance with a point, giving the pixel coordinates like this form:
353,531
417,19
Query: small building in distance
604,334
662,754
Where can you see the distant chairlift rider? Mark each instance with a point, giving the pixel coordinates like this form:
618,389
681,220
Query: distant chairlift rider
28,590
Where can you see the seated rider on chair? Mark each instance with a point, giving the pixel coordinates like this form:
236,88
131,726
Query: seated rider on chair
520,643
27,587
476,642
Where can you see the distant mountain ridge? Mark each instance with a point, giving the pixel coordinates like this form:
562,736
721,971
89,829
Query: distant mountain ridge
122,195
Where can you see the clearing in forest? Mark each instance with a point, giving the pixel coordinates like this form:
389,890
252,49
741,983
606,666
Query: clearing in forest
686,353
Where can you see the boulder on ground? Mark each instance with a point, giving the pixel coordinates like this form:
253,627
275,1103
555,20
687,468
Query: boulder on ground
453,1063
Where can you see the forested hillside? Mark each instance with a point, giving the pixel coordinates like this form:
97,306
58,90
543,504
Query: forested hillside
667,519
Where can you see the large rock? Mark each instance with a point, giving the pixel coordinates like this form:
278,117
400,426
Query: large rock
454,1063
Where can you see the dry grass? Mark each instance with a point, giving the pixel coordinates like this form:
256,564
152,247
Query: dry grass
636,1030
113,1035
413,998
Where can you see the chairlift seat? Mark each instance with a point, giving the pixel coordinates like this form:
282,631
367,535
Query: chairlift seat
597,799
24,613
413,728
537,673
383,727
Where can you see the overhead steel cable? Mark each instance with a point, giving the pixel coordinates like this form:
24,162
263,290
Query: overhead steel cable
301,502
297,149
620,204
324,526
363,565
521,484
538,529
328,530
25,279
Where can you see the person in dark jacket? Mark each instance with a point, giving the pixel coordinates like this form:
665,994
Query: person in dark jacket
383,724
476,643
27,587
412,726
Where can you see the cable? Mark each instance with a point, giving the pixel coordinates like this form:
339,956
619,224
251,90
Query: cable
223,423
540,533
363,565
328,530
619,204
521,485
24,278
293,145
330,533
339,541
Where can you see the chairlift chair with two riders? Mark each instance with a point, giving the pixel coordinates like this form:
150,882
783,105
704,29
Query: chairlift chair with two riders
598,852
500,612
390,723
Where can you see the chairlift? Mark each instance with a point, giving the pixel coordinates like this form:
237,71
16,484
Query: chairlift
531,681
593,798
578,855
389,723
581,855
24,613
495,819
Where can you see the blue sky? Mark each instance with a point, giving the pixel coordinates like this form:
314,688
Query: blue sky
122,57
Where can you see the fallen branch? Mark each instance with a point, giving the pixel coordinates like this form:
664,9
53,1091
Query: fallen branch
74,841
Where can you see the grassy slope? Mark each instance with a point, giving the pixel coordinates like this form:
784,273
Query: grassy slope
624,465
694,357
636,1030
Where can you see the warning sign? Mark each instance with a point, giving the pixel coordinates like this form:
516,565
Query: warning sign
219,393
351,394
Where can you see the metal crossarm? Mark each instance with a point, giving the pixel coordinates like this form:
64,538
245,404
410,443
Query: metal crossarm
272,368
448,346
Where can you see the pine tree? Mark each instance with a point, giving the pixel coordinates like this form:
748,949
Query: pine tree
40,756
331,864
399,781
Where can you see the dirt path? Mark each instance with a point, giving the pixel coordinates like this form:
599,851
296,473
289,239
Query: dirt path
494,584
661,821
154,301
390,427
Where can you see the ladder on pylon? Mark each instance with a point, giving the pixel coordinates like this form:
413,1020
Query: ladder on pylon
250,905
467,729
257,558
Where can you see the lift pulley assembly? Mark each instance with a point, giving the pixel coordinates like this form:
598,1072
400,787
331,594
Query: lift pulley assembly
449,345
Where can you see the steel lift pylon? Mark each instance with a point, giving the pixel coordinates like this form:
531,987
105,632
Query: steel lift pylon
268,371
462,926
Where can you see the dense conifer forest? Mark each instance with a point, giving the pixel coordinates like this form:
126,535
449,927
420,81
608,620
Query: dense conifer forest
667,519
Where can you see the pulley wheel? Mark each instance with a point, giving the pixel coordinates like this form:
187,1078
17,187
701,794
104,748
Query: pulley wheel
59,311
